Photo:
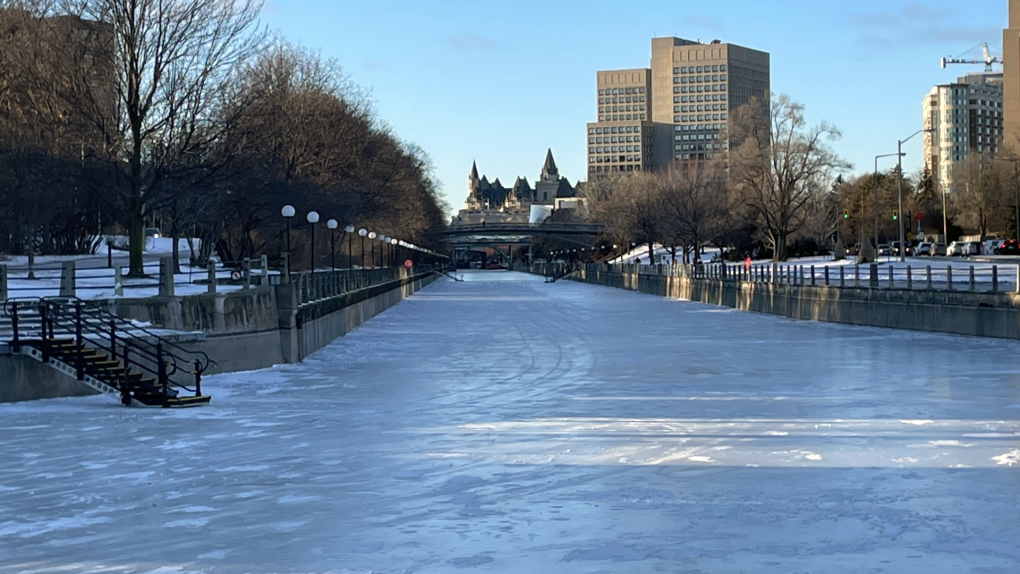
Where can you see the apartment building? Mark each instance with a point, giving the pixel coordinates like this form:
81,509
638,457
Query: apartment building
678,108
965,117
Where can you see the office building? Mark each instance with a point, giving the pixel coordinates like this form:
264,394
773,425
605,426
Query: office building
678,108
1011,79
965,117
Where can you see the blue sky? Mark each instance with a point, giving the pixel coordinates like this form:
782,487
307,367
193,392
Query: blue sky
499,82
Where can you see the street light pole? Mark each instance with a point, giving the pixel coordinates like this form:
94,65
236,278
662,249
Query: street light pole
350,248
899,188
288,212
332,225
362,232
313,218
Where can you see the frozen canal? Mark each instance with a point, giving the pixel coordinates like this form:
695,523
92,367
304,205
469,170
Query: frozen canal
502,424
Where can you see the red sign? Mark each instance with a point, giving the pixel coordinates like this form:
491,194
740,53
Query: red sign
408,264
918,217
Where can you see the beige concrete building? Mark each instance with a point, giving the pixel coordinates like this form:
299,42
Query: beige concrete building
618,141
679,108
964,117
1011,78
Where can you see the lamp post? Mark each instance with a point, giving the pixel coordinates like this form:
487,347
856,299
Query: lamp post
393,252
332,225
384,241
362,232
288,212
313,218
372,236
899,189
350,248
874,191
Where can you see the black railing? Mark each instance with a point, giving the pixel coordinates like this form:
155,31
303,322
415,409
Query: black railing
172,368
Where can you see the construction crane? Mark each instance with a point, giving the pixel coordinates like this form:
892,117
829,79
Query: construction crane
988,60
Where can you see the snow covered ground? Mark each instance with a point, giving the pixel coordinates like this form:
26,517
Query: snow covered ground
502,424
99,283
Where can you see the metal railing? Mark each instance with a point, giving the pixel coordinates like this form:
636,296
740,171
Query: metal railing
981,278
136,348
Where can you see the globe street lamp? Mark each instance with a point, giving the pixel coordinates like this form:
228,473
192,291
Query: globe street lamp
382,247
350,251
393,251
362,232
312,219
332,225
372,236
288,213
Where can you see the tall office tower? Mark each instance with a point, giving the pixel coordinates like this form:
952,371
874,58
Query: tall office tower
1011,78
619,140
680,107
964,117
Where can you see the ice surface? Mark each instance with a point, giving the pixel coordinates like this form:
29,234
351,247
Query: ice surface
502,424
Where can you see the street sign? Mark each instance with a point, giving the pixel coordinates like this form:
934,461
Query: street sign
918,216
408,264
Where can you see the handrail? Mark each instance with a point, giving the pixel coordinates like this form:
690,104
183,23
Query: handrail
122,339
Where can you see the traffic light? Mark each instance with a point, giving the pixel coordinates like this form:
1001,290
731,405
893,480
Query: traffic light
846,214
895,214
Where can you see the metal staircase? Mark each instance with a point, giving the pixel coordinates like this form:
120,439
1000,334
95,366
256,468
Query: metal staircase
110,354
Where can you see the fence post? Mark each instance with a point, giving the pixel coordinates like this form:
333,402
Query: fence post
118,281
265,270
842,277
995,278
67,284
813,276
166,277
246,269
211,276
3,283
285,272
857,275
928,271
970,273
949,278
892,282
772,274
910,278
826,271
873,276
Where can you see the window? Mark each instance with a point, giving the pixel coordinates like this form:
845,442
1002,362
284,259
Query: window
683,70
715,68
699,69
676,70
591,130
602,92
722,68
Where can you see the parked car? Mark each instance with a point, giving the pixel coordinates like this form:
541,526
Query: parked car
971,248
883,249
938,249
923,249
895,248
1008,247
991,245
955,249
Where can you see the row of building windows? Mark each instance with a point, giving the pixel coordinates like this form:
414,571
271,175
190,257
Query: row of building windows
615,130
689,156
699,147
699,118
607,109
615,149
622,100
699,69
615,139
613,158
699,88
618,91
613,168
699,79
695,137
705,108
621,117
700,98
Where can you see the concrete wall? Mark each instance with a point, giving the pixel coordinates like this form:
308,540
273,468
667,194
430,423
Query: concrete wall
26,379
957,312
240,331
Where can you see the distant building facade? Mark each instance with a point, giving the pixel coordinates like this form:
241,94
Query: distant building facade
965,117
678,108
1011,78
492,201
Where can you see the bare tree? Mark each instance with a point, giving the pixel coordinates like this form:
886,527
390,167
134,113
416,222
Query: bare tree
170,60
693,199
778,165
